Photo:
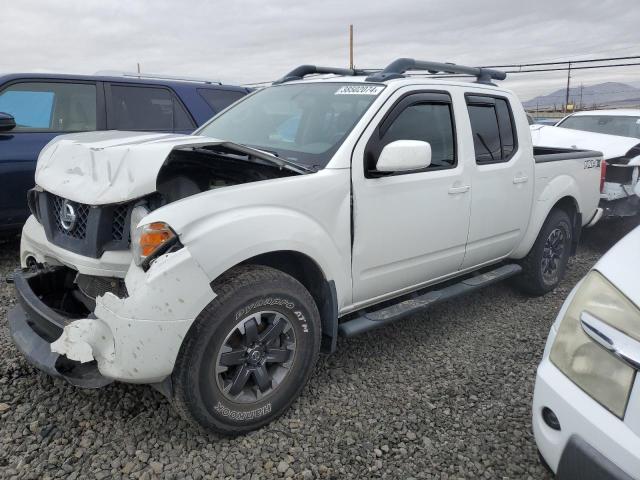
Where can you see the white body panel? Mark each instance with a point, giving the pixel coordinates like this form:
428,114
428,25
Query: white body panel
616,439
408,230
420,227
554,181
502,200
611,146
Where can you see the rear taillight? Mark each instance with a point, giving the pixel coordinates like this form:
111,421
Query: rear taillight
603,174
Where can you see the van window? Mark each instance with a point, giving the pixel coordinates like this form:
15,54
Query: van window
494,139
50,107
147,109
219,99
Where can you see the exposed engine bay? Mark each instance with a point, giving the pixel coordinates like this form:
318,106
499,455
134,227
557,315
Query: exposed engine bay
191,171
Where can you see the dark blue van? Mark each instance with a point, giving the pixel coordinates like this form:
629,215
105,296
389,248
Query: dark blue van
34,108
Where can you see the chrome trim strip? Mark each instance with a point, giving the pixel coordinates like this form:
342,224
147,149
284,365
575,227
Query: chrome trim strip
618,343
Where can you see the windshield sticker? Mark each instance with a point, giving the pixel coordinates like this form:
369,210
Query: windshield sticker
359,90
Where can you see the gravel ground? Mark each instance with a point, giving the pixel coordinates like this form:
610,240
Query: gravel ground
441,395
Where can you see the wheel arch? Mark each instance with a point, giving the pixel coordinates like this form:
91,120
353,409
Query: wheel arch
570,205
566,201
307,271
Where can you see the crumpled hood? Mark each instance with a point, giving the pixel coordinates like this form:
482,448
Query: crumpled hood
99,168
611,146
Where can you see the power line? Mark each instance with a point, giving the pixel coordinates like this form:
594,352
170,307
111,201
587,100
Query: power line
572,68
608,59
531,70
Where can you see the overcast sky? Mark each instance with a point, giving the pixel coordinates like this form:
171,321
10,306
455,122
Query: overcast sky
256,40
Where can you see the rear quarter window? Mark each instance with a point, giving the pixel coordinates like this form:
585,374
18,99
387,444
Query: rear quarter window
219,99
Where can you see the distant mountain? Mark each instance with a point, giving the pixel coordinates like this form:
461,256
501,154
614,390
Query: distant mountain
609,94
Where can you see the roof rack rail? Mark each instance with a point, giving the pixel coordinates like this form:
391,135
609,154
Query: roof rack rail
155,76
300,72
397,68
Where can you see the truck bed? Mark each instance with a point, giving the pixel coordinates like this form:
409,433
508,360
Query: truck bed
556,154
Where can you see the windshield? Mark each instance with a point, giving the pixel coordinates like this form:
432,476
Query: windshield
303,123
625,126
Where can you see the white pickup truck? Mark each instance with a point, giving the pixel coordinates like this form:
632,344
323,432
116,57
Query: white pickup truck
217,266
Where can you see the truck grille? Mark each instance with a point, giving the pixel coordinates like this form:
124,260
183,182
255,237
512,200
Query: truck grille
119,225
88,230
70,217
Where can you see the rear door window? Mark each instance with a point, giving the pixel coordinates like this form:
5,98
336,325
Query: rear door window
219,99
492,127
51,107
141,108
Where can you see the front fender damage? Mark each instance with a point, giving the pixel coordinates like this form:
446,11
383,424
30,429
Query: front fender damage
137,339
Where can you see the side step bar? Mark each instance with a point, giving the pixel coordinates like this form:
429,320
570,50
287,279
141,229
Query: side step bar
375,319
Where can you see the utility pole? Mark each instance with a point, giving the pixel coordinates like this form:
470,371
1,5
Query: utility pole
566,103
581,87
138,68
351,46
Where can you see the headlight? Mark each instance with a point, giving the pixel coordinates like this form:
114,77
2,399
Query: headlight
150,240
596,370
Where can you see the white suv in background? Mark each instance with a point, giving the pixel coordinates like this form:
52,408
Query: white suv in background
586,405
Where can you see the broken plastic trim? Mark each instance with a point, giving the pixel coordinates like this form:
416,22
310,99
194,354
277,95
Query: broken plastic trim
172,245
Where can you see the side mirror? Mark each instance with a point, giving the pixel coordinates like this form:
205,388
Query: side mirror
7,122
404,156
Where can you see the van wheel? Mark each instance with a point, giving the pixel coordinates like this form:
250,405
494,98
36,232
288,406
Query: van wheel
249,353
545,265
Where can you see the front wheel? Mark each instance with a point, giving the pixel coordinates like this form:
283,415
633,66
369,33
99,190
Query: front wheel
545,265
249,353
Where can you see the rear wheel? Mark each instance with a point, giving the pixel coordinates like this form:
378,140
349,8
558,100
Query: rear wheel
546,264
249,353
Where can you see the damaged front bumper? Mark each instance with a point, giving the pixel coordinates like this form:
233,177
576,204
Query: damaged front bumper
133,337
34,326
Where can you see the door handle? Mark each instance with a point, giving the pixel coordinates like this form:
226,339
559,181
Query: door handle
457,190
520,179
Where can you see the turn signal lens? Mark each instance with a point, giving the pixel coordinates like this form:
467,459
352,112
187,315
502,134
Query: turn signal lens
151,240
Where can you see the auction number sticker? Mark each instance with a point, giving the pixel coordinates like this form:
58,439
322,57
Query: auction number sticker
359,90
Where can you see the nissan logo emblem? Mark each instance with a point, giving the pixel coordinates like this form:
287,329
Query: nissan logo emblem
68,216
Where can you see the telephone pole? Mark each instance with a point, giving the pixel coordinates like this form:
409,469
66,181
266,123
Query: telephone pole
566,103
351,46
581,87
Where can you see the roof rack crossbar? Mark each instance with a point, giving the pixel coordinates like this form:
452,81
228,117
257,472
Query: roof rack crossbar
397,68
300,72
